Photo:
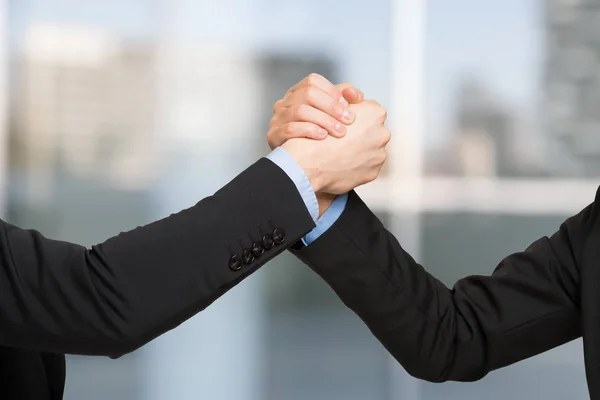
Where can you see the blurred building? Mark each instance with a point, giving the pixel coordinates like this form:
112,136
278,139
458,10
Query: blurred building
102,108
84,103
483,141
280,72
572,85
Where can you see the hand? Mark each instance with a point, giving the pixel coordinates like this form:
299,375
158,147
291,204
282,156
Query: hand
338,165
312,109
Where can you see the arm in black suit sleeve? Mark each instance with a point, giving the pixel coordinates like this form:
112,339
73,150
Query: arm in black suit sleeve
529,304
120,294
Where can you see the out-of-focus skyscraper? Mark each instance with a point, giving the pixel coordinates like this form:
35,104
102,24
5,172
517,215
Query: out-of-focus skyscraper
483,139
482,134
571,86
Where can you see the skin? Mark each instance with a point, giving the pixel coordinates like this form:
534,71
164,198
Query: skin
314,108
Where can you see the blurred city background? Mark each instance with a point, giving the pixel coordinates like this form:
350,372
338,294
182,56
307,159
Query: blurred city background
117,113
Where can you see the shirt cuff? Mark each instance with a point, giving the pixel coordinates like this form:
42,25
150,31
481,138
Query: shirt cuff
327,219
286,162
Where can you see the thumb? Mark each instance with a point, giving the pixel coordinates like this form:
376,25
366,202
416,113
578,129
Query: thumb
352,94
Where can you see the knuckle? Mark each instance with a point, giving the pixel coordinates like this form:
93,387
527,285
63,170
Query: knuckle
300,111
318,130
334,126
293,113
272,138
312,79
277,105
387,136
273,121
343,86
382,157
378,110
310,94
288,129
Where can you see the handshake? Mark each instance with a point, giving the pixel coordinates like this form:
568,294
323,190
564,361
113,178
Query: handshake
110,299
335,136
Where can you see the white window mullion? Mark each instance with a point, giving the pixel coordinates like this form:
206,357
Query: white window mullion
407,26
510,196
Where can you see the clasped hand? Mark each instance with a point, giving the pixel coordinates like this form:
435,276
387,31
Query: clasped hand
338,138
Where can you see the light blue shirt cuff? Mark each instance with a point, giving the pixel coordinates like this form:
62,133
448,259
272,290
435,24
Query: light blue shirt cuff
327,219
286,162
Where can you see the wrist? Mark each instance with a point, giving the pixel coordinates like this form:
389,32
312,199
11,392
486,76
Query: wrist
306,161
315,178
324,200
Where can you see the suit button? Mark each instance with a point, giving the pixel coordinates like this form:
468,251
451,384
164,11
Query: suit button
258,249
267,242
235,262
278,236
248,256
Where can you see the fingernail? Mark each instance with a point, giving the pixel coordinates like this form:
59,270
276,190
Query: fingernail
344,101
347,116
339,128
338,110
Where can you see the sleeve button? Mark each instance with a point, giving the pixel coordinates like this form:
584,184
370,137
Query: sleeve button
258,249
235,262
278,236
248,256
267,242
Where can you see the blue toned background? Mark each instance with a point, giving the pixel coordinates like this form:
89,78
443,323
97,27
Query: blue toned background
121,112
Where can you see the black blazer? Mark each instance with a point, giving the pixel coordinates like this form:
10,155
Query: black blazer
58,297
534,301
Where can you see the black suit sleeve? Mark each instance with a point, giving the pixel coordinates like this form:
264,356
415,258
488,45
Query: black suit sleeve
529,304
120,294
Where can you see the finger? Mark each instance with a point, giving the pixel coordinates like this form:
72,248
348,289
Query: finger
341,87
282,133
319,81
353,95
320,100
306,113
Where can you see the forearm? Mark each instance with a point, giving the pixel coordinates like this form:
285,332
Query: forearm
485,322
120,294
